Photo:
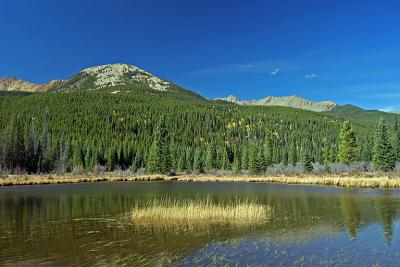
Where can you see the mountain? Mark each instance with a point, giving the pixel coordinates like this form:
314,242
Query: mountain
111,75
286,101
119,77
110,116
363,116
12,84
93,78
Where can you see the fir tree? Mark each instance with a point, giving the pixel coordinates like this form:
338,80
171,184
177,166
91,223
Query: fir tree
77,157
188,159
225,165
384,158
306,160
159,155
245,158
348,150
181,162
293,152
397,139
236,165
253,164
32,150
267,157
210,157
197,161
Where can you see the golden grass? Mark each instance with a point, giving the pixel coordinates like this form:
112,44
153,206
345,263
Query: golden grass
366,180
342,181
199,212
71,178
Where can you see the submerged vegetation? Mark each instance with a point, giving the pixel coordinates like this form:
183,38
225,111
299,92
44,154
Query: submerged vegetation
180,213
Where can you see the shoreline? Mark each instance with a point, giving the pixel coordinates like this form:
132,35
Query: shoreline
349,181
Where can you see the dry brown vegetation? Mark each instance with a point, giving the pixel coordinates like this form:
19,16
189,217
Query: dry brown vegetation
367,180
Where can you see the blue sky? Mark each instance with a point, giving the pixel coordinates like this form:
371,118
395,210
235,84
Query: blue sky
345,51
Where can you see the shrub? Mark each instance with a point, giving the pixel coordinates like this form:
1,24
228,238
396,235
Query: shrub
98,169
78,170
3,174
360,166
337,167
318,168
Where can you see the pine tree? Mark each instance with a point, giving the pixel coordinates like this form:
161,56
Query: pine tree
397,139
348,150
253,164
225,164
197,161
383,158
63,156
332,154
267,156
31,150
181,162
236,165
306,160
159,155
261,163
111,157
210,157
293,152
14,147
188,159
245,158
173,155
77,157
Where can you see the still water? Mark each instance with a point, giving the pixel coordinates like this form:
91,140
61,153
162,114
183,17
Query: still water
89,224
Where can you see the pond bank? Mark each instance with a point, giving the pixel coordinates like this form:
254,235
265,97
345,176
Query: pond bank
362,181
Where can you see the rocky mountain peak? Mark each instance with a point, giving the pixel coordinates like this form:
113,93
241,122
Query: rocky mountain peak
121,74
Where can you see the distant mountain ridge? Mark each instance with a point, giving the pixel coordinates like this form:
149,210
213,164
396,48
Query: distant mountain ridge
130,78
92,78
286,101
12,84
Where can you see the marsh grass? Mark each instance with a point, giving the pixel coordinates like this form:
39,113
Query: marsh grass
178,213
365,180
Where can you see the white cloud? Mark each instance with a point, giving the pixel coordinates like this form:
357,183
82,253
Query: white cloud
275,72
310,76
393,108
246,66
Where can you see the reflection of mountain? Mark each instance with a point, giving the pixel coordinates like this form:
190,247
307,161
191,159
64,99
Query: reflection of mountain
84,222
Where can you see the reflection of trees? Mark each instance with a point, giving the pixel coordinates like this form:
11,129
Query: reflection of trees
49,220
351,215
387,211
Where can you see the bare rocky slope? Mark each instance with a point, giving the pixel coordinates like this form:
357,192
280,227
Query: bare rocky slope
13,84
286,101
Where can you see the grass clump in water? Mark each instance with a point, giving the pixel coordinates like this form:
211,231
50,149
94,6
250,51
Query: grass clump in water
192,212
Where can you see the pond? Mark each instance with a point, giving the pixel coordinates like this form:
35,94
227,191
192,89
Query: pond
90,224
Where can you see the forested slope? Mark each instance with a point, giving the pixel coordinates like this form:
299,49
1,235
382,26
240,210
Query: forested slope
117,128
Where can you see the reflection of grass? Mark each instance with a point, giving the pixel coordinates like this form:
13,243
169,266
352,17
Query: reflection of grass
198,212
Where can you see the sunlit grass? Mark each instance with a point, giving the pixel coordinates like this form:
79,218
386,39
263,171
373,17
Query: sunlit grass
184,212
366,180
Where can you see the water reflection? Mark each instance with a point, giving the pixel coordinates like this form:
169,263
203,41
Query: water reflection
88,224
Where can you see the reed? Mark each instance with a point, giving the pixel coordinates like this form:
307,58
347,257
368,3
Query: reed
362,180
184,212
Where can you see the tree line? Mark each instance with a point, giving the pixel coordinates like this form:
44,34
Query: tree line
157,132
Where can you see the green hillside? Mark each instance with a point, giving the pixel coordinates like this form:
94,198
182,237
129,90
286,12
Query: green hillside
366,117
116,127
122,117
